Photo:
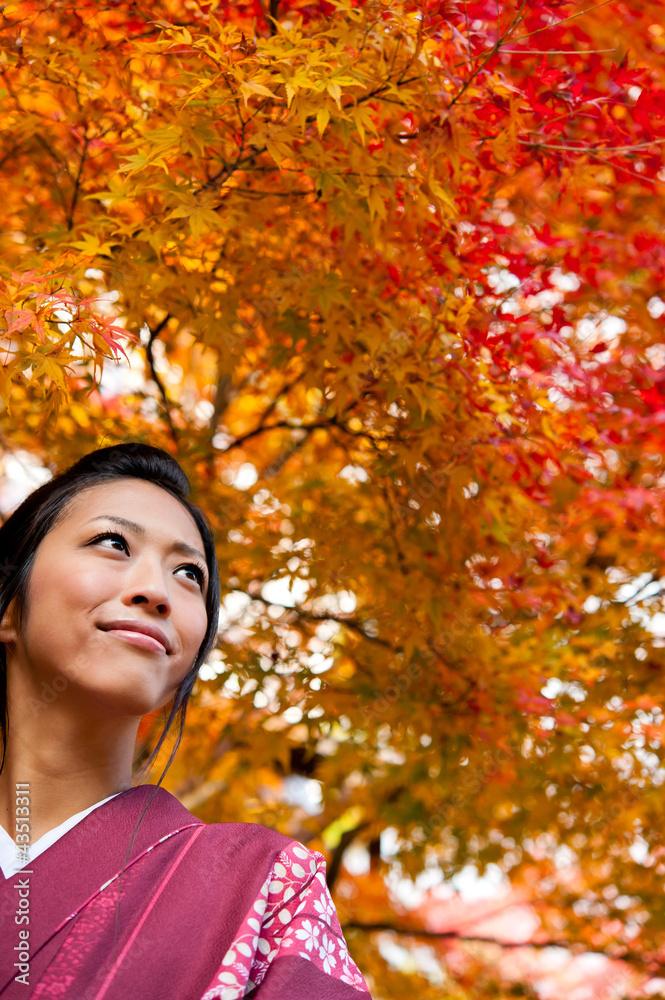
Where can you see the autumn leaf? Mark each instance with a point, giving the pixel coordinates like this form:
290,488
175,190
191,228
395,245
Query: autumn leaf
388,280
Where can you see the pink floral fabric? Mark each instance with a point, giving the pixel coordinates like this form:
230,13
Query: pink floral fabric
293,915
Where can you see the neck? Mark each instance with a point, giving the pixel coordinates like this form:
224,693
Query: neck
67,759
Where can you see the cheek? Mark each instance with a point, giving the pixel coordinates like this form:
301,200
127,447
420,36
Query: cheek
74,589
190,621
60,606
192,634
53,599
197,623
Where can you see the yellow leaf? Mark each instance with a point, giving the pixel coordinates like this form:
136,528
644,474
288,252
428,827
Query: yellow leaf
91,246
335,92
376,203
247,88
443,196
349,819
322,119
362,118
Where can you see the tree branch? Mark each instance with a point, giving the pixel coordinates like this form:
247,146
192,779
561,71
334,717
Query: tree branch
578,947
492,52
294,446
354,624
223,397
77,185
330,422
334,867
154,334
269,427
274,7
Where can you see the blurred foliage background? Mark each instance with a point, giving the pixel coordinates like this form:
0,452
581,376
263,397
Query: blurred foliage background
385,277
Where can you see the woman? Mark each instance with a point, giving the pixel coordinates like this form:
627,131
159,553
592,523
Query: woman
108,607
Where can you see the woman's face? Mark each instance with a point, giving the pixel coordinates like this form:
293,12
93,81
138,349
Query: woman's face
116,601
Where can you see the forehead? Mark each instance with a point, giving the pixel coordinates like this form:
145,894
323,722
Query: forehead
159,513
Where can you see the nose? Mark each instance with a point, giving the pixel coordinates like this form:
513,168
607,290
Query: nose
147,586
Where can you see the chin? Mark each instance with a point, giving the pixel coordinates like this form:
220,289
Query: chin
131,686
130,696
131,705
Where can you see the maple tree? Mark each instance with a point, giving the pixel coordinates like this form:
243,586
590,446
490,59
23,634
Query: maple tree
385,277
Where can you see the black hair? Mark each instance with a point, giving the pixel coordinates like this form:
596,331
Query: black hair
25,529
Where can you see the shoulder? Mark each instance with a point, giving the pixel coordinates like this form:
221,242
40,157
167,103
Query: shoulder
284,868
246,834
166,807
253,847
287,855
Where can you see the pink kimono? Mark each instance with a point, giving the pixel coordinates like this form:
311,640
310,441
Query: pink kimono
199,912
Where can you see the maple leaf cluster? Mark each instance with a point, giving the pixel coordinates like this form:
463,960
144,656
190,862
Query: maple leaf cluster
386,278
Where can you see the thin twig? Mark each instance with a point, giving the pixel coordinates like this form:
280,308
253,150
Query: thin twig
280,424
554,52
595,156
268,412
268,193
355,624
77,185
556,24
154,334
468,34
401,558
587,149
492,52
546,27
577,946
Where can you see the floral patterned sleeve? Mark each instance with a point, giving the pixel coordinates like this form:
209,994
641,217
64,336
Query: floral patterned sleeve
292,918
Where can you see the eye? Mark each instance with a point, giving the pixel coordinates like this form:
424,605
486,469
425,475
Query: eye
119,541
197,575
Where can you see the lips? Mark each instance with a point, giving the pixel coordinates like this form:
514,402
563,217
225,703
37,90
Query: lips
139,628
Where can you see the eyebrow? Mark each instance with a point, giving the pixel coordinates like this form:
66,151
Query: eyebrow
138,529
